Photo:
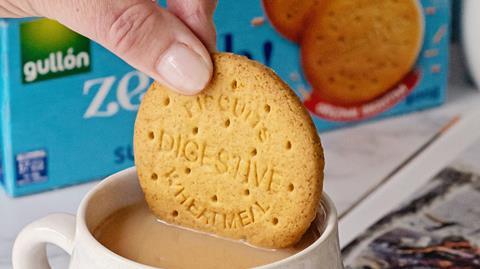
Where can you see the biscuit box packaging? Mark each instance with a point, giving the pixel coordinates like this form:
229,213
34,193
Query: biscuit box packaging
68,105
349,61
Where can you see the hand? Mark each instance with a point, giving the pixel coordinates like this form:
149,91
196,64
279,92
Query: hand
171,45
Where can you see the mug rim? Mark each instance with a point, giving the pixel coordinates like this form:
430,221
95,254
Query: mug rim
81,225
81,218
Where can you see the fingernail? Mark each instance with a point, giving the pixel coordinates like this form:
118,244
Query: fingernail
184,69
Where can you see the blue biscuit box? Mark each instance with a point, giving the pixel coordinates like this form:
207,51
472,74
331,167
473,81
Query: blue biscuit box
68,105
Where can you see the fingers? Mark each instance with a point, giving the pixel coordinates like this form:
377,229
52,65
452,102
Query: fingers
146,36
198,16
14,9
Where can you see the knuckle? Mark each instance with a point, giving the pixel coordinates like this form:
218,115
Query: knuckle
191,9
199,10
127,27
196,13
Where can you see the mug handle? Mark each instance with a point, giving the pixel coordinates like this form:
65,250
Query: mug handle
29,250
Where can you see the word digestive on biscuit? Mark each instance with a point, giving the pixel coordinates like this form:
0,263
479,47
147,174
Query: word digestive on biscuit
219,160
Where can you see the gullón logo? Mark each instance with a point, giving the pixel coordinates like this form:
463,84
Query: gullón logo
55,63
50,50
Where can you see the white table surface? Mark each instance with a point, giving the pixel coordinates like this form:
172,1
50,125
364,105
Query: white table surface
356,158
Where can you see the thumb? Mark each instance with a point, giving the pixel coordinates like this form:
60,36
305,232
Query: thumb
143,34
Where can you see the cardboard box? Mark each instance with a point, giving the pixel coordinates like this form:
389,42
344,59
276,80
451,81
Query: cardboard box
68,105
245,28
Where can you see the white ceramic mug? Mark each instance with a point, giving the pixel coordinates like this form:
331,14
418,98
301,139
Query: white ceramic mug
73,234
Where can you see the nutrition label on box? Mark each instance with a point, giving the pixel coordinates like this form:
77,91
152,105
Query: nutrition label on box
31,167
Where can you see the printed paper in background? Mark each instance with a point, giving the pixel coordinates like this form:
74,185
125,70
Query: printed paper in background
438,228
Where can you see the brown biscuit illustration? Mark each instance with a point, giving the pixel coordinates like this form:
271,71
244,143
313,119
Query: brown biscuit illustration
241,160
288,16
355,51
